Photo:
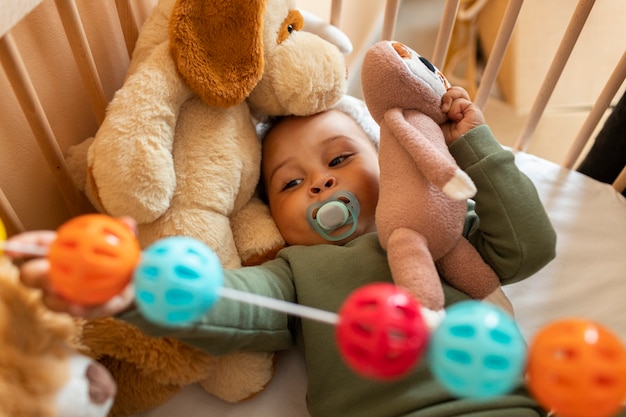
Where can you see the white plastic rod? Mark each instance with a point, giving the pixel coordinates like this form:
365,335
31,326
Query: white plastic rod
280,305
23,248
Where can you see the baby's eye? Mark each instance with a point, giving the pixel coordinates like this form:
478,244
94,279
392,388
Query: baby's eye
291,184
336,161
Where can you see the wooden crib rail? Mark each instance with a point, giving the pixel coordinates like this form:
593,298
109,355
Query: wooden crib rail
31,104
75,30
568,42
33,110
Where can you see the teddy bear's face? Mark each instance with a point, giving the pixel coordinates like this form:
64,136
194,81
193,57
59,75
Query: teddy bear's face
265,57
40,374
304,74
394,75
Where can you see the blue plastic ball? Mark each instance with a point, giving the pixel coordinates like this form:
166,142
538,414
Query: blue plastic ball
177,280
477,351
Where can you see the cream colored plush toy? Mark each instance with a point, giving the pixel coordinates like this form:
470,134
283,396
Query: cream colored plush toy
41,372
178,152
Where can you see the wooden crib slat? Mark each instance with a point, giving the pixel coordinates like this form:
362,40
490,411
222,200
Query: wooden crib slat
503,38
620,182
8,214
128,24
392,8
335,12
31,106
575,26
599,108
79,44
444,34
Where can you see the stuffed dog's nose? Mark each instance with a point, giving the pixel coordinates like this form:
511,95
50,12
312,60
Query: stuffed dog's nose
102,387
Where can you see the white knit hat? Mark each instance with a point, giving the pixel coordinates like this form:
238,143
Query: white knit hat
357,109
349,105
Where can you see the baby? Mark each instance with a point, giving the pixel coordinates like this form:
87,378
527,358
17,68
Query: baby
320,178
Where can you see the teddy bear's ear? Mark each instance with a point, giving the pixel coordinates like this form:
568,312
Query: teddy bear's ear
218,47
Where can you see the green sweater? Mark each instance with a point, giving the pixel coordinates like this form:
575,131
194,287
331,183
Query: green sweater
514,235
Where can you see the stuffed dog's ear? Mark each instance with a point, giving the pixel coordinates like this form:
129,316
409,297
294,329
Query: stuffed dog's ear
218,47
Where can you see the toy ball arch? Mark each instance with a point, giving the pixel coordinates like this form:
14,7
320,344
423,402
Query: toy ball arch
573,367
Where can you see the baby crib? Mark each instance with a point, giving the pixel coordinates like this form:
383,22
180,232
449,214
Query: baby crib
62,61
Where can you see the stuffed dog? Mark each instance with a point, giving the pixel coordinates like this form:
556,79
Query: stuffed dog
178,150
42,374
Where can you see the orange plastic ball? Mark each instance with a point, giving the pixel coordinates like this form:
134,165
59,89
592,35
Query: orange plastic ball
577,368
92,259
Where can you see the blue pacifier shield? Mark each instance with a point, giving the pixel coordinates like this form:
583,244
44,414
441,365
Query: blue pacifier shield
340,209
477,351
177,280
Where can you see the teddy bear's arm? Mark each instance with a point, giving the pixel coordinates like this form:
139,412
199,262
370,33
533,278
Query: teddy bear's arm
130,161
423,140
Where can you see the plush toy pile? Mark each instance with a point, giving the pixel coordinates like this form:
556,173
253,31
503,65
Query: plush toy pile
178,152
41,372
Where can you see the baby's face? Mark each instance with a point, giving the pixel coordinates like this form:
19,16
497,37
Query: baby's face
306,160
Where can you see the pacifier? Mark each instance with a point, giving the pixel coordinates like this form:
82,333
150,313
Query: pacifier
338,210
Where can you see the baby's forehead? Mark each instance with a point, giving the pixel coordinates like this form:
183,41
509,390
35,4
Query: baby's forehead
329,123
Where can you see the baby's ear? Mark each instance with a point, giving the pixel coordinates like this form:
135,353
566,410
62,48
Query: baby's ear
217,47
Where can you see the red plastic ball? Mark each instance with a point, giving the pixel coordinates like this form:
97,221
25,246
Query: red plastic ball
92,259
577,368
381,332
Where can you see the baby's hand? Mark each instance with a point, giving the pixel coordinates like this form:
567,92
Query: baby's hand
34,272
464,115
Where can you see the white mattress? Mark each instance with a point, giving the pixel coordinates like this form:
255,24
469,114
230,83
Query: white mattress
586,280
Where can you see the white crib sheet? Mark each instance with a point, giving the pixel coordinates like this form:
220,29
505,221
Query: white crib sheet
586,280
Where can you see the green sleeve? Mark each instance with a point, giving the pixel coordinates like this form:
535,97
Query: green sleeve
232,325
512,230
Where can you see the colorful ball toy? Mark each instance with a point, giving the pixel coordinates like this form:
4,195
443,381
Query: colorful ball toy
92,259
177,281
477,351
381,333
577,368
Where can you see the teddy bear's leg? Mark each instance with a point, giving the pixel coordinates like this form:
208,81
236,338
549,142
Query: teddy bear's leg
209,227
240,375
413,268
465,270
256,236
140,392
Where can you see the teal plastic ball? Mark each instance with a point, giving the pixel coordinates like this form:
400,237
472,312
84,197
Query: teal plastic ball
177,281
477,351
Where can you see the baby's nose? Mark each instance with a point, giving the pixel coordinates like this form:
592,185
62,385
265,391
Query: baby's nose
322,184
